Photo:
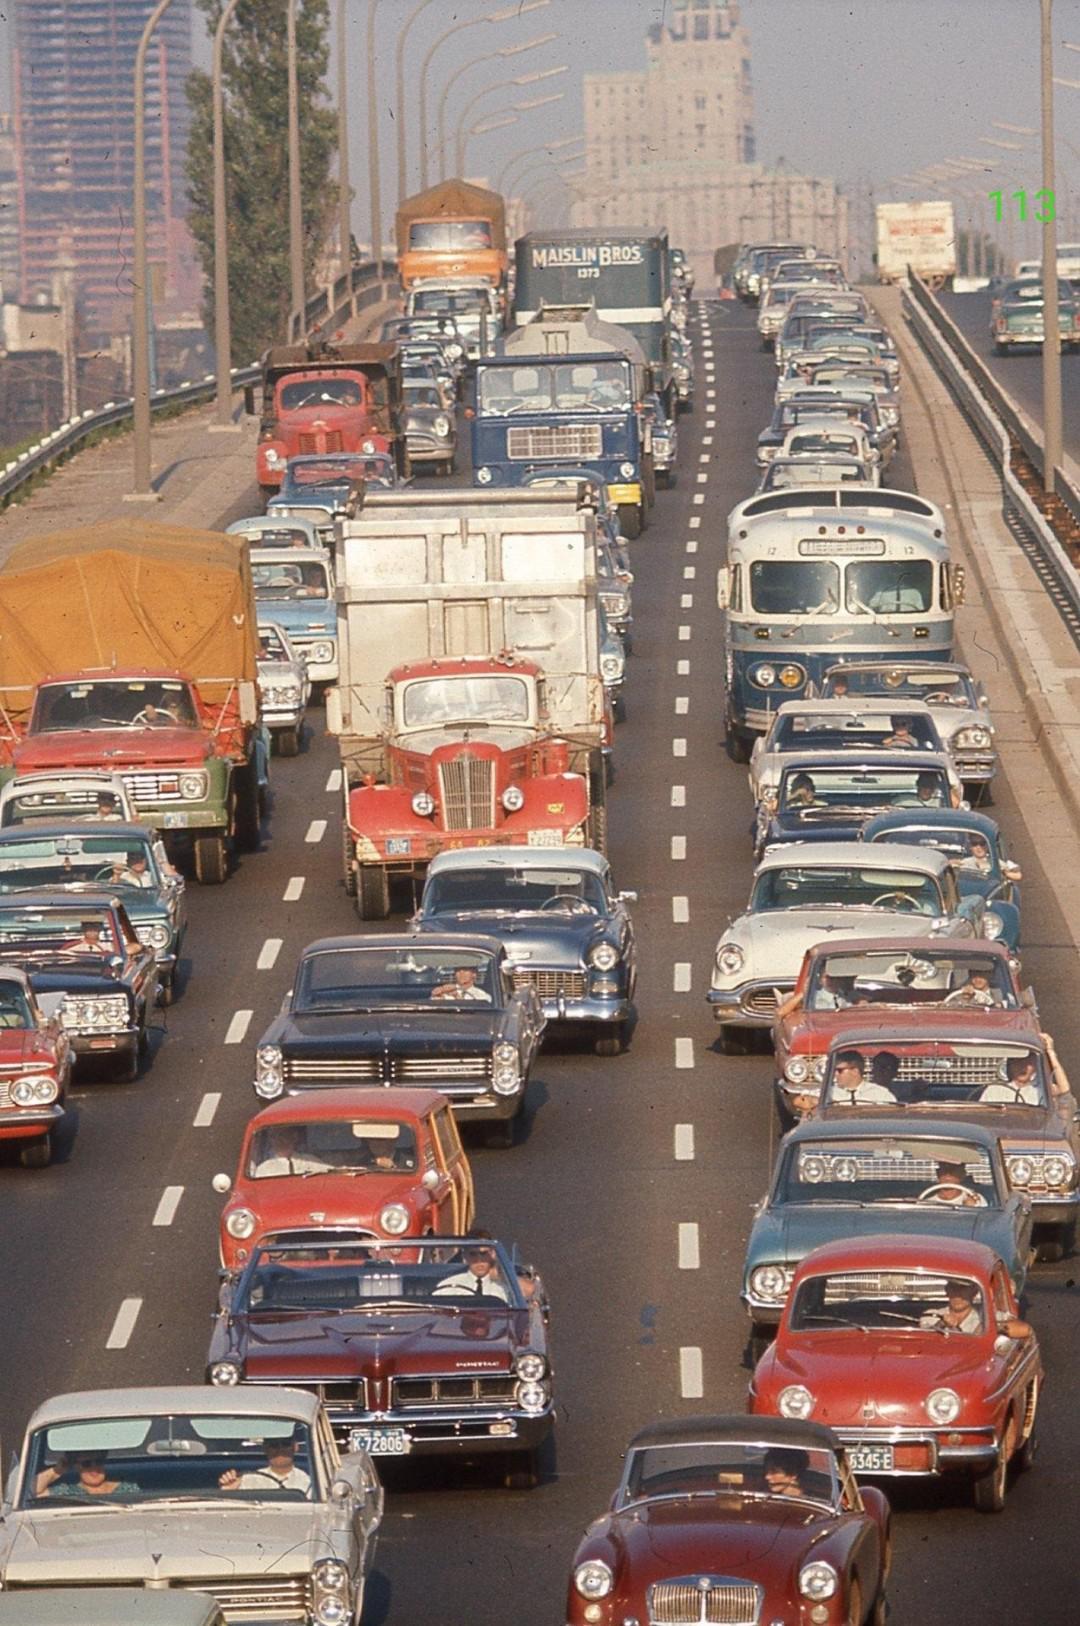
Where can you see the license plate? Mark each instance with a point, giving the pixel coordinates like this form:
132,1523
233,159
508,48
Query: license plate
545,838
380,1442
398,844
870,1459
175,821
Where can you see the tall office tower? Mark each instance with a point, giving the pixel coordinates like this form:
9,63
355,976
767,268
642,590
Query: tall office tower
9,212
73,64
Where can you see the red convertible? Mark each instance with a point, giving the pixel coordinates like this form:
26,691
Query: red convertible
35,1070
389,1163
912,1350
840,979
735,1519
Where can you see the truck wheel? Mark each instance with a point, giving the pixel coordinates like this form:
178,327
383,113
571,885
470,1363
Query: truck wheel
372,892
522,1471
167,989
597,829
211,860
630,520
288,742
37,1154
739,742
246,821
347,860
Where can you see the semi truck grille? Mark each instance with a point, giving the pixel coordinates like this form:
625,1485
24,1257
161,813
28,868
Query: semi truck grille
467,793
569,440
457,1390
550,984
322,441
687,1603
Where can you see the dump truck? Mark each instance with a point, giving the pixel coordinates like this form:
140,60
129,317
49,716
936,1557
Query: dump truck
470,706
919,236
319,398
132,649
452,230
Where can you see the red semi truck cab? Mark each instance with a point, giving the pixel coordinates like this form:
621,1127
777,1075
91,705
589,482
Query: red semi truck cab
323,398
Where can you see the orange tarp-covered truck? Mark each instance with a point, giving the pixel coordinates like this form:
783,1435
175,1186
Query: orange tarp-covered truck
452,230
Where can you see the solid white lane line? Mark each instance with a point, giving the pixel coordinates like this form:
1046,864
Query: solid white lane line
689,1246
207,1108
691,546
236,1032
684,1143
681,978
268,954
678,795
334,781
689,572
293,890
684,1053
124,1325
691,1377
165,1212
678,847
686,602
680,911
678,748
682,668
315,831
695,522
682,705
684,634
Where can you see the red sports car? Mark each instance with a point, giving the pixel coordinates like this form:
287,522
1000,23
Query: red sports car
35,1070
912,1350
389,1162
735,1519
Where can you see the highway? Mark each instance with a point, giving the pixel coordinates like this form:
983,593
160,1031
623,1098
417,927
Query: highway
631,1189
1020,374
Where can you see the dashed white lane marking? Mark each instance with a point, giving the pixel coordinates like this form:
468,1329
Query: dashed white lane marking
208,1106
710,395
686,602
691,1377
684,634
682,705
684,1143
691,546
689,573
710,423
678,795
689,1246
334,781
315,831
695,522
682,668
293,890
268,954
704,457
684,1053
236,1032
702,479
681,978
678,847
165,1212
678,747
680,911
124,1325
706,440
699,498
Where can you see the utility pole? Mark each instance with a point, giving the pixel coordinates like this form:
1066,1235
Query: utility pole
140,323
344,187
296,213
222,316
1051,350
373,142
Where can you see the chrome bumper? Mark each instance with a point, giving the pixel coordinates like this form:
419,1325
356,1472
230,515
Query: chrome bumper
462,1432
978,1450
729,1005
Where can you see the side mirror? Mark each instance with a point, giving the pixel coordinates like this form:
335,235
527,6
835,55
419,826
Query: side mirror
1027,999
627,897
430,1179
1003,1344
722,589
221,1184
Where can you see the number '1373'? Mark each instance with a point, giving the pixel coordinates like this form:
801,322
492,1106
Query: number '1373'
1044,199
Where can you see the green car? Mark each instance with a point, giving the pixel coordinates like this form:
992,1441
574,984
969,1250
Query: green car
1018,318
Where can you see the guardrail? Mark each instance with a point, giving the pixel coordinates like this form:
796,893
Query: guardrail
320,314
999,422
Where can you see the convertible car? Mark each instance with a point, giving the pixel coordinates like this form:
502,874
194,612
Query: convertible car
35,1070
973,842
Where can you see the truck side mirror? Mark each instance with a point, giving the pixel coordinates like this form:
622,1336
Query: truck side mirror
333,711
249,702
722,589
249,398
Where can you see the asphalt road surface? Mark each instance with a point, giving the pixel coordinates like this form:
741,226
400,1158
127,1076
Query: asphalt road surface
1019,372
639,1243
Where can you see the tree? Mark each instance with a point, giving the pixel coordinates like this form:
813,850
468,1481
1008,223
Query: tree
256,97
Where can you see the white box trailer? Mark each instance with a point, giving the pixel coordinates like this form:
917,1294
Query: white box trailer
921,236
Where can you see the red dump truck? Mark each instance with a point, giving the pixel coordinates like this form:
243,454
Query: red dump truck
319,398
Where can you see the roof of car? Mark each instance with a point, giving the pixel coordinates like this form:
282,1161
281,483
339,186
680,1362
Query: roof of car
255,1400
918,946
337,1103
939,1023
841,705
116,830
852,854
897,1124
943,1256
56,899
454,943
787,1431
939,818
882,757
583,858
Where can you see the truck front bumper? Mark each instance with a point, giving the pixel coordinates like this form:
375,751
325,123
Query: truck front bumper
625,495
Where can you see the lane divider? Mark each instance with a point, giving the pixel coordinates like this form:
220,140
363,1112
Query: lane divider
268,954
207,1109
124,1325
678,795
691,1376
334,781
165,1212
681,979
315,831
689,1246
293,889
236,1032
680,911
684,1143
678,847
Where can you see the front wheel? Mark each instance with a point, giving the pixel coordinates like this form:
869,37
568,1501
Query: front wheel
522,1471
211,860
734,1041
739,743
372,892
287,741
630,521
611,1041
598,828
247,825
761,1337
37,1154
989,1489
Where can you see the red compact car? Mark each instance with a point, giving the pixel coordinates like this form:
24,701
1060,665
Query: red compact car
911,1349
35,1070
752,1519
388,1162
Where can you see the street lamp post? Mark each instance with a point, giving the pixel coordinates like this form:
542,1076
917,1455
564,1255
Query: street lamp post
373,143
533,152
466,67
222,316
344,187
399,78
516,107
496,121
296,215
1051,350
140,326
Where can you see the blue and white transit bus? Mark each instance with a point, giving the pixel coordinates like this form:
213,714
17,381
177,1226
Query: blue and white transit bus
820,575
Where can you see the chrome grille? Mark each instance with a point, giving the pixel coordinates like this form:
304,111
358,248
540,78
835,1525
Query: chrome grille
322,440
467,793
385,1069
555,440
550,984
457,1389
152,787
341,1071
760,1001
718,1602
436,1067
344,1392
5,1091
275,1598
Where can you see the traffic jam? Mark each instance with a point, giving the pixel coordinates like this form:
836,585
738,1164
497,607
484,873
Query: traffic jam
452,513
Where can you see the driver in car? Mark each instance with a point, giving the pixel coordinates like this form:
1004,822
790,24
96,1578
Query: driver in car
961,1311
953,1186
464,986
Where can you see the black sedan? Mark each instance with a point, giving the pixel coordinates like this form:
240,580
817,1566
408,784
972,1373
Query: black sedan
394,1010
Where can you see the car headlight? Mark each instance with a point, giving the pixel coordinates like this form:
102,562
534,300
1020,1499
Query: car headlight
992,925
110,1012
274,457
805,1069
441,426
280,695
35,1091
611,668
791,676
795,1401
1057,1170
193,786
506,1071
423,804
764,676
972,739
155,937
942,1405
330,1609
603,957
483,477
730,958
530,1367
322,651
513,798
225,1373
1020,1170
769,1282
615,605
331,1575
269,1072
394,1219
818,1581
627,470
240,1223
594,1579
532,1397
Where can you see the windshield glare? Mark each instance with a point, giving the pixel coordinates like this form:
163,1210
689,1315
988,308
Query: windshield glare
732,1468
831,887
889,586
888,1301
332,1146
344,979
555,892
429,702
113,703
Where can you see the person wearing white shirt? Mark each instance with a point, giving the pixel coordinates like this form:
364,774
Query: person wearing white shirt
464,986
478,1279
851,1087
1020,1086
279,1474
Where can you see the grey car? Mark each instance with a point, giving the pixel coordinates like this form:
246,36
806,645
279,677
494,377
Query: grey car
241,1495
430,429
960,707
284,688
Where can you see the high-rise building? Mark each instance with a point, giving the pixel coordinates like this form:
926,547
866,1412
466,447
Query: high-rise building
73,64
9,212
673,145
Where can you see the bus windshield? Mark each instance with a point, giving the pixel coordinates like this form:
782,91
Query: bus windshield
794,587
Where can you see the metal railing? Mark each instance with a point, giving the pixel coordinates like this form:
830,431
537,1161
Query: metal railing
325,311
999,421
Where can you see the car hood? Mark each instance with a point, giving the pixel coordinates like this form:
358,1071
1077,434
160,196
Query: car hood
378,1342
275,674
452,1032
874,1379
786,1233
776,940
530,940
300,616
1012,1123
289,1202
133,1545
113,748
720,1534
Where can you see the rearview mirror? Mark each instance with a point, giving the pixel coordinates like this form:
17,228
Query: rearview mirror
430,1179
628,897
221,1184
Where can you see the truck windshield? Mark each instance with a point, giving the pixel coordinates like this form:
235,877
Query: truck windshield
579,386
490,698
450,234
288,578
456,300
113,703
794,587
889,587
310,392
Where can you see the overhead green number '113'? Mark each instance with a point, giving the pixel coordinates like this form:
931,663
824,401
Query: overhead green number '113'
1044,199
